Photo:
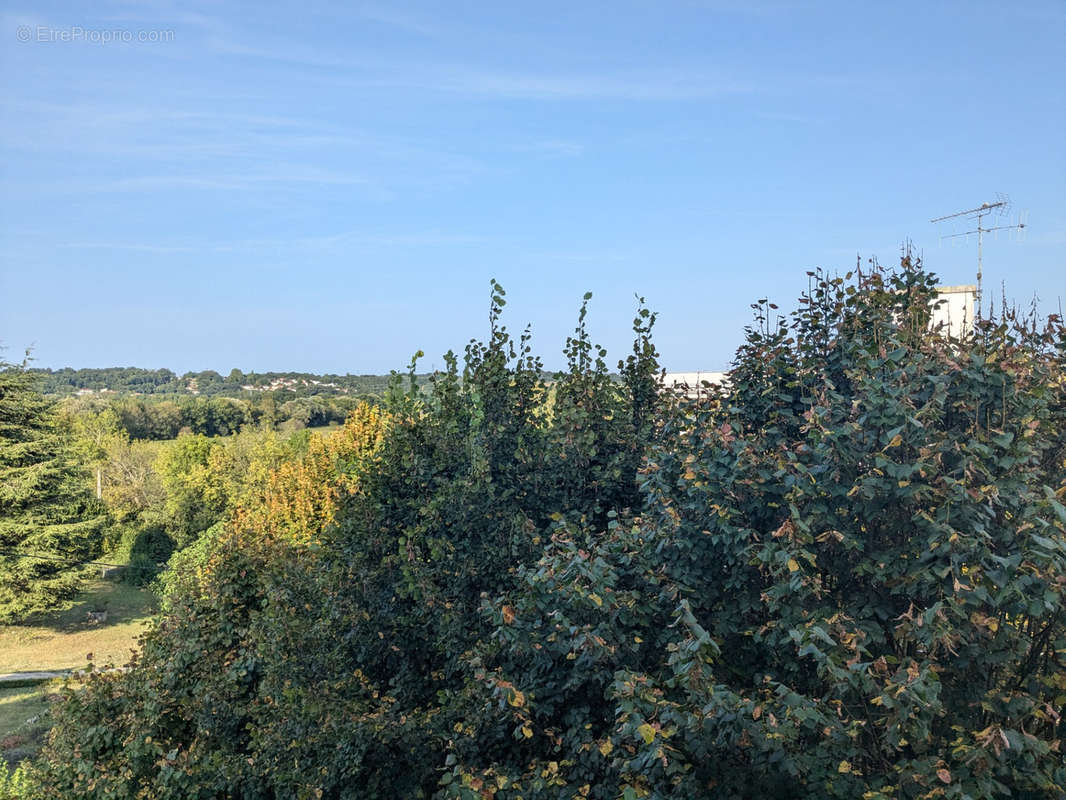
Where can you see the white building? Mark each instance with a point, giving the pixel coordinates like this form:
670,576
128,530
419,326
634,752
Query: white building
691,384
955,311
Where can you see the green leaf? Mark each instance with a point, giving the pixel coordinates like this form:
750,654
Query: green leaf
647,733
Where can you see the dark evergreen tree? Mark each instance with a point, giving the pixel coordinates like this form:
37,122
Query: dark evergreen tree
48,518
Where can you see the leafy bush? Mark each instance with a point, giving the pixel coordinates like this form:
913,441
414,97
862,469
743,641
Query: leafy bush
328,623
847,582
843,577
15,784
150,550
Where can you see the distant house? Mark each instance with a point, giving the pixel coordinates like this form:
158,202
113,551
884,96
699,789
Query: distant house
955,311
693,384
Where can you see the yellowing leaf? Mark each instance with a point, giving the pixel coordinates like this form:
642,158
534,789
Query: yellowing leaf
606,747
897,440
647,733
508,615
689,475
944,775
527,731
595,598
792,565
844,768
517,699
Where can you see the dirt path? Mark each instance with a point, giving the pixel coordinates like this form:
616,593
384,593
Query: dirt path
25,678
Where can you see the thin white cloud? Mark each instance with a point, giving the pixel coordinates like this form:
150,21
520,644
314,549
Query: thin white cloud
233,181
399,20
147,121
346,240
674,83
168,147
646,85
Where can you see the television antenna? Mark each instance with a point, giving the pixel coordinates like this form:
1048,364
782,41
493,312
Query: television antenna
998,208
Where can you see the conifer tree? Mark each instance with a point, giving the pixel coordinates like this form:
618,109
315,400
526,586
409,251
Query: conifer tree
48,519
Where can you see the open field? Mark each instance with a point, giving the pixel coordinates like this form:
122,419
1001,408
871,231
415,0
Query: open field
63,638
323,428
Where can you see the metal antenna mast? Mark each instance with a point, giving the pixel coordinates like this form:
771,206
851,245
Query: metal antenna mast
999,208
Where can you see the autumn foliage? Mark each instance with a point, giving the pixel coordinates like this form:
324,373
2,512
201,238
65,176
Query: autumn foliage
302,496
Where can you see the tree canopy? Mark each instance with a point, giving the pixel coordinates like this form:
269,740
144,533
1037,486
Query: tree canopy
841,577
48,520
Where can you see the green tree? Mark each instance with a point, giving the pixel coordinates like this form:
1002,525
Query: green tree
132,486
195,500
346,649
847,581
95,435
48,517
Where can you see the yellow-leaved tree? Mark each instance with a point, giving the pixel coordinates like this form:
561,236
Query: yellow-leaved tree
301,497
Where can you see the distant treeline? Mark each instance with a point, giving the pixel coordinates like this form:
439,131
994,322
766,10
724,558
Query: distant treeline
135,380
159,404
164,417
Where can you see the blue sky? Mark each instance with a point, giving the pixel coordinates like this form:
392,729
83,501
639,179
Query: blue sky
330,187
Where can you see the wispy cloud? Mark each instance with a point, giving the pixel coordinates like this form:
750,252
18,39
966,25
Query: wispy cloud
343,241
162,147
666,83
278,176
646,85
394,18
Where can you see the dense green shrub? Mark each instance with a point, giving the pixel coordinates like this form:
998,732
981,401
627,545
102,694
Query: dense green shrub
149,550
285,667
847,582
15,784
843,577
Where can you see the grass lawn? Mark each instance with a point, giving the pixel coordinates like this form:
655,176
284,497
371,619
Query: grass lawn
19,705
61,639
24,720
323,428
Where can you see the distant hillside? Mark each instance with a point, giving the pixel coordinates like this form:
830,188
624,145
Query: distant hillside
135,380
67,382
